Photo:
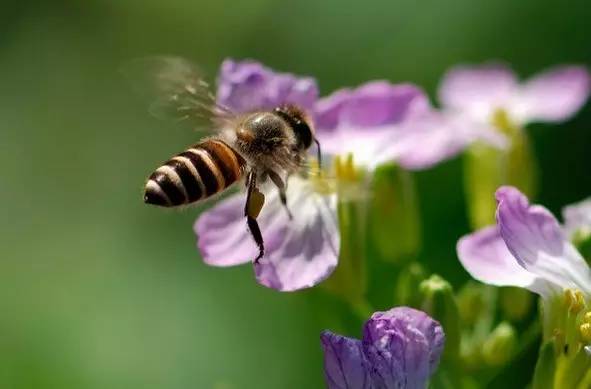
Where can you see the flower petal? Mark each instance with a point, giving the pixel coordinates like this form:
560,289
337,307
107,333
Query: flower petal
366,121
248,85
345,366
299,253
425,141
577,217
552,96
535,239
308,245
379,103
223,238
327,110
486,257
403,346
477,90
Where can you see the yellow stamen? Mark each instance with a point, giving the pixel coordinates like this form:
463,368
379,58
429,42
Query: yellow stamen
587,317
585,330
344,169
575,300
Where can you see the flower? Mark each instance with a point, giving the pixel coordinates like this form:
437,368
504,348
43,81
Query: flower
577,219
300,252
248,85
400,349
489,92
527,248
381,122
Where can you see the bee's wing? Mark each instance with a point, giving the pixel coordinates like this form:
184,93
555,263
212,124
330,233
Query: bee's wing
176,90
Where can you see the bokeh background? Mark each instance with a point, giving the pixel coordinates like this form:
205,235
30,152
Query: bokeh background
98,290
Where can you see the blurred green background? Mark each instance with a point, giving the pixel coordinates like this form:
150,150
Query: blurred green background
98,290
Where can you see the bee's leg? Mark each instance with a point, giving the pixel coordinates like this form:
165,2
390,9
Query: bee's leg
282,187
254,203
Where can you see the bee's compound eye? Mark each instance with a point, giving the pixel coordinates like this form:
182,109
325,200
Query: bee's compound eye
244,134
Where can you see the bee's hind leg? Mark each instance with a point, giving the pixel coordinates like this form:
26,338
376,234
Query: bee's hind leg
254,203
282,187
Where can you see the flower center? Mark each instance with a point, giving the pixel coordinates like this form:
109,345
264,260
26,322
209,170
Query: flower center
501,121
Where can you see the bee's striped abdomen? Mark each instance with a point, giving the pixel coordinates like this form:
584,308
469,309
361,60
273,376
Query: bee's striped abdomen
197,173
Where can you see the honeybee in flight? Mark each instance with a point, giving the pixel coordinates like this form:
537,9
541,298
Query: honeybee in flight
255,146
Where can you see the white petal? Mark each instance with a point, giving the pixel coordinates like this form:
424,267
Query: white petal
535,238
485,256
577,217
477,90
309,244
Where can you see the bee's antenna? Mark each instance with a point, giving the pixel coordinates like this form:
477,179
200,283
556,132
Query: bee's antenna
318,150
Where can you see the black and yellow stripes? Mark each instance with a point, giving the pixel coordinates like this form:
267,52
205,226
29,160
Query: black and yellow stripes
197,173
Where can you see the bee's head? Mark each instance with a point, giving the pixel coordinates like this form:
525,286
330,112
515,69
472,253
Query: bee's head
299,121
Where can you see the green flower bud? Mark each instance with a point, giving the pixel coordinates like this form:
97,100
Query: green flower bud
437,300
545,367
516,303
486,168
582,239
394,221
349,280
499,346
475,301
407,287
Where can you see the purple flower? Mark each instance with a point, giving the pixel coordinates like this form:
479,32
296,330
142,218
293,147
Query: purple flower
577,219
527,248
380,122
477,93
400,349
247,85
299,252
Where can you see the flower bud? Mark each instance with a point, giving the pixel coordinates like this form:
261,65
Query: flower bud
474,302
516,303
349,278
545,367
486,168
407,286
582,239
499,346
437,300
394,221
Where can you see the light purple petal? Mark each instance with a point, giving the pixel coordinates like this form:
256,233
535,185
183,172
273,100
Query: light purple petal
221,234
552,96
477,90
577,217
536,240
403,346
345,365
248,85
425,141
299,254
307,246
327,110
362,120
379,103
485,256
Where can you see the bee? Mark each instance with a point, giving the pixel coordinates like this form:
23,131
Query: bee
253,147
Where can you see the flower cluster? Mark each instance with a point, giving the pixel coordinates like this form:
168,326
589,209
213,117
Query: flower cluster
365,129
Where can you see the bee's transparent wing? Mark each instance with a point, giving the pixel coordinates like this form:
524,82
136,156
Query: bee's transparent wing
176,90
